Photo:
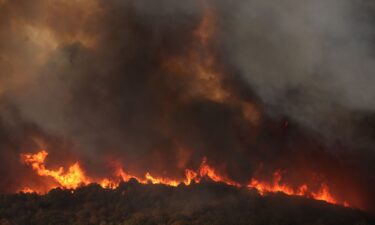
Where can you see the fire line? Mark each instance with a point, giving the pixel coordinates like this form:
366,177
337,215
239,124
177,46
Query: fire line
75,177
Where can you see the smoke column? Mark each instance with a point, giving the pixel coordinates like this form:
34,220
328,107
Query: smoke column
253,86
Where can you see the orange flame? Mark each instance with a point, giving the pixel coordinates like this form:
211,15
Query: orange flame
303,190
70,179
190,176
206,171
75,177
200,65
27,190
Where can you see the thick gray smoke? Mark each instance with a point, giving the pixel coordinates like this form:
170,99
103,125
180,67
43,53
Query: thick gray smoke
97,80
311,60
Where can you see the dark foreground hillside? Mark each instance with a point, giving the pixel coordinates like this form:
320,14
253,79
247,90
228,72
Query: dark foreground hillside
207,203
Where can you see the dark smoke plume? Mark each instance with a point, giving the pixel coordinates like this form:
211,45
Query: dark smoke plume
290,87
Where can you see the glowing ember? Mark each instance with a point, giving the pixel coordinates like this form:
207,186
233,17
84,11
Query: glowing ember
107,183
27,190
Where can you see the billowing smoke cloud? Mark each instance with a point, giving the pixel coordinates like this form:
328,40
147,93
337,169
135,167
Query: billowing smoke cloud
310,60
159,85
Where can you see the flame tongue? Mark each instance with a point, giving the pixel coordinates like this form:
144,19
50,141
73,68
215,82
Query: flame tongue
303,190
70,179
75,176
206,171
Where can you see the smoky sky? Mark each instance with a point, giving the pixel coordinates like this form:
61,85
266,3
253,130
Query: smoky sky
321,54
87,81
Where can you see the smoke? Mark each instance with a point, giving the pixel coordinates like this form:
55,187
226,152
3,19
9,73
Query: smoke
150,85
312,61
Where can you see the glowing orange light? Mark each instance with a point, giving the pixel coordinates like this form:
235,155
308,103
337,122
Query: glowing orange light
277,186
161,180
190,176
27,190
75,177
69,179
206,170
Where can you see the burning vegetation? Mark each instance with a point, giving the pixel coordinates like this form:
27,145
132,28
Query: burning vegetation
75,177
203,203
170,95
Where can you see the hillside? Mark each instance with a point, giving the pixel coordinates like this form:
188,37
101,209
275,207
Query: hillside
206,203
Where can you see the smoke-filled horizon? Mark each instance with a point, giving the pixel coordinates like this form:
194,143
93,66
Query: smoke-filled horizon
255,86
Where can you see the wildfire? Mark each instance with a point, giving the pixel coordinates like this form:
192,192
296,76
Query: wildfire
190,176
200,65
27,190
75,176
206,171
69,179
303,190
